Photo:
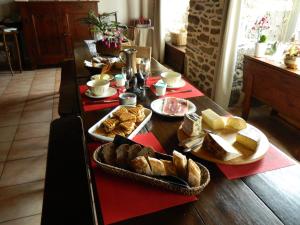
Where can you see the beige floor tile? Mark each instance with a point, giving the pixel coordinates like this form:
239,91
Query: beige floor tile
21,201
36,116
38,104
40,94
55,114
7,133
1,168
23,171
28,148
8,119
30,220
32,130
4,148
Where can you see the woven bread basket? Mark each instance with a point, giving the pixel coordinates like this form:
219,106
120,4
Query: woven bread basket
171,186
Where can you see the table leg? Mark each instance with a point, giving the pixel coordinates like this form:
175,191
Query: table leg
18,52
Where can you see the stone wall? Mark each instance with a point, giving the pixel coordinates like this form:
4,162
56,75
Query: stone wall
205,24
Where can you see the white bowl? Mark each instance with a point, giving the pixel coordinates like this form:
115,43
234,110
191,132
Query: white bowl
171,78
98,87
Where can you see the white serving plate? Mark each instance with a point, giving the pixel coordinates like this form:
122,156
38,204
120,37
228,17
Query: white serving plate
93,134
110,92
157,105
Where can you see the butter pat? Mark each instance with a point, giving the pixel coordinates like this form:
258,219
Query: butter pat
236,123
248,138
212,119
192,124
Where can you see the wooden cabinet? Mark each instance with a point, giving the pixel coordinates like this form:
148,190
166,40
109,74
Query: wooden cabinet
273,84
175,57
51,28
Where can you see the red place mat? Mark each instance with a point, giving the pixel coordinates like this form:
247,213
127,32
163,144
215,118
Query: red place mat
89,106
274,159
122,199
194,93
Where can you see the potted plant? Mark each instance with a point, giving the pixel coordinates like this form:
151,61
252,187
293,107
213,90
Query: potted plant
109,34
261,44
292,56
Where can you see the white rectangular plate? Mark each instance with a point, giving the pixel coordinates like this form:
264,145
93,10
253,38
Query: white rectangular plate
92,130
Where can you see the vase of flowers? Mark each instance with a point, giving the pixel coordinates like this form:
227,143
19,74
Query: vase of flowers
109,34
259,26
292,56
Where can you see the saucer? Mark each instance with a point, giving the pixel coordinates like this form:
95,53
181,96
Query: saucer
110,92
180,84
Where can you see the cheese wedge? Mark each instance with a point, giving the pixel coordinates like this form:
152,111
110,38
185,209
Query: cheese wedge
236,123
212,119
192,124
248,138
219,147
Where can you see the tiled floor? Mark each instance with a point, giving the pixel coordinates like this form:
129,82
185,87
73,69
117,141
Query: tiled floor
28,104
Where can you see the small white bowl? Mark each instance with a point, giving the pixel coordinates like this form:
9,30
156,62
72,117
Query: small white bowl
98,87
171,78
127,98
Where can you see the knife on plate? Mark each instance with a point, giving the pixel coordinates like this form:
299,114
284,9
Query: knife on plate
175,92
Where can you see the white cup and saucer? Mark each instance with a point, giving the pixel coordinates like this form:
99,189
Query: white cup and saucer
99,89
172,79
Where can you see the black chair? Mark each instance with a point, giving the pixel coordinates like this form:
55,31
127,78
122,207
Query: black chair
67,198
68,99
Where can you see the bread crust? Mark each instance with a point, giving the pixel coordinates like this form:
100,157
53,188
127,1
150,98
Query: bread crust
121,155
108,154
157,167
180,163
141,165
194,174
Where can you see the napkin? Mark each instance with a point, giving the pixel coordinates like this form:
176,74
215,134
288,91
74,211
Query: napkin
194,93
122,198
274,159
88,105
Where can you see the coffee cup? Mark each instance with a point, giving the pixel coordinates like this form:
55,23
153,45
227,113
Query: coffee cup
171,78
160,88
120,80
98,87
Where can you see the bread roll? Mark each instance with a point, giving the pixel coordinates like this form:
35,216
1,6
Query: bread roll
121,155
157,167
141,165
133,152
169,167
194,174
108,154
147,151
180,163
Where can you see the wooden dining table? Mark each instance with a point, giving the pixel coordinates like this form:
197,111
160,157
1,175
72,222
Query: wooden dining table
271,197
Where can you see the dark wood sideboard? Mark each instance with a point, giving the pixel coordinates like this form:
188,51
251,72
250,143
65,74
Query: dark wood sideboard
51,28
273,84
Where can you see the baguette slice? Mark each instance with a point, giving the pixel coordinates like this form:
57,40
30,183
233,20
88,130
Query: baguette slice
169,167
133,152
180,163
108,154
121,155
194,174
157,167
141,165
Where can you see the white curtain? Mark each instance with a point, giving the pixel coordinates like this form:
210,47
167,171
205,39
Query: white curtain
292,22
225,72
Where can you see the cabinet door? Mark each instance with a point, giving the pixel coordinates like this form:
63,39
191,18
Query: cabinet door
48,33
